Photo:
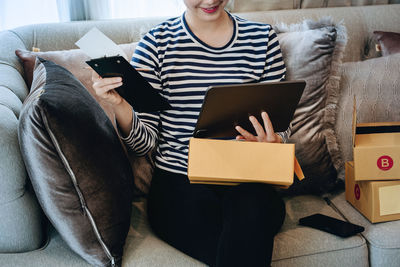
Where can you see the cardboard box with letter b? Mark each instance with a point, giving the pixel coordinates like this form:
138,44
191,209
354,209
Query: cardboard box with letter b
376,150
373,179
378,201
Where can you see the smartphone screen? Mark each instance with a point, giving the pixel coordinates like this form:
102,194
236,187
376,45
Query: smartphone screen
331,225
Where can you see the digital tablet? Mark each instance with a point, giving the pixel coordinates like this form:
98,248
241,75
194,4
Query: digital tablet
227,106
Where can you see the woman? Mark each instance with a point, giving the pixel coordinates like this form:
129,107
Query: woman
218,225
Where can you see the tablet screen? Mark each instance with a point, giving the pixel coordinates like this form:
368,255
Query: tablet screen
227,106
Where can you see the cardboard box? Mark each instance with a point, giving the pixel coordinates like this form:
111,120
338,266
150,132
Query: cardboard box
378,201
230,162
376,150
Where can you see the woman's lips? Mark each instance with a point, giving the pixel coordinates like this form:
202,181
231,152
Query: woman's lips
210,10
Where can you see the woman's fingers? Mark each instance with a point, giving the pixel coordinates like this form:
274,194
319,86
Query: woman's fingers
104,87
269,129
95,76
258,127
240,137
245,134
109,83
263,134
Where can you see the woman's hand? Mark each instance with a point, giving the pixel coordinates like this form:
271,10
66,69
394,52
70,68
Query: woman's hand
266,134
104,88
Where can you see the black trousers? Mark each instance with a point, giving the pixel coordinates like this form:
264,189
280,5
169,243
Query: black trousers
218,225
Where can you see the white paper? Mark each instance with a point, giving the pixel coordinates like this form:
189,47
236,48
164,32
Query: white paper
96,45
389,200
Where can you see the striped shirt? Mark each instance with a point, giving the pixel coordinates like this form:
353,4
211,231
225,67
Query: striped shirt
184,67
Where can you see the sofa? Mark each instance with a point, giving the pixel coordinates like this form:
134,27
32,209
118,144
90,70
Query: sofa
27,239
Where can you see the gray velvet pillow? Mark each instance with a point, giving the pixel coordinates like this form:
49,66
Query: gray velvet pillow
79,171
312,51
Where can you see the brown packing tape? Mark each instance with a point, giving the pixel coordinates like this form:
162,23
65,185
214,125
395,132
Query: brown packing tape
354,122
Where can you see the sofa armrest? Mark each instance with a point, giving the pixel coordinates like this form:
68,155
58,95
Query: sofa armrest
21,224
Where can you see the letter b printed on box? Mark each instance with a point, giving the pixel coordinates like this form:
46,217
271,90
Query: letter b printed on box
385,163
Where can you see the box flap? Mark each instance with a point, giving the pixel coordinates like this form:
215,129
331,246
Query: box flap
354,123
372,127
375,140
297,170
378,127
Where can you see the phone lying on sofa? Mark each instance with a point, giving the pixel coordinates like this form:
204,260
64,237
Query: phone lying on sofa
331,225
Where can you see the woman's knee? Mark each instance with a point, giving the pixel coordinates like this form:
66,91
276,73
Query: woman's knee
257,203
255,194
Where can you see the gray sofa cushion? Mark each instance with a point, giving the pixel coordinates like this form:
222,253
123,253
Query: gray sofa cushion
312,51
78,168
304,246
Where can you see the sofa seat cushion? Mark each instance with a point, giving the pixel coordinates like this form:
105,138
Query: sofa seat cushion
303,246
383,238
142,249
294,245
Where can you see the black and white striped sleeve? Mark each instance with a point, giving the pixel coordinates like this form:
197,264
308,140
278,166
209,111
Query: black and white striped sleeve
144,133
275,69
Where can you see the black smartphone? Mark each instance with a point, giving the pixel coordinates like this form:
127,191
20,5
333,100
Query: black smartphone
331,225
